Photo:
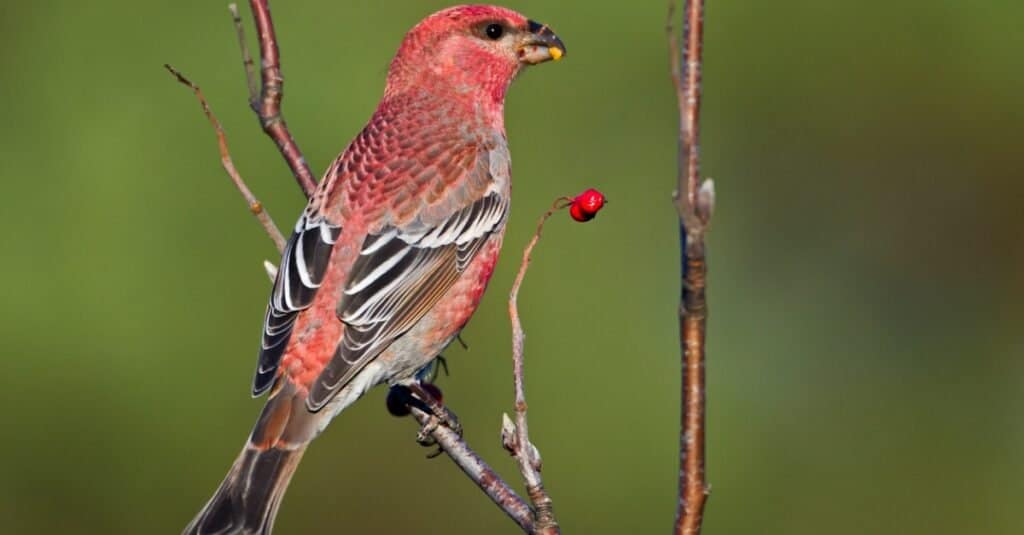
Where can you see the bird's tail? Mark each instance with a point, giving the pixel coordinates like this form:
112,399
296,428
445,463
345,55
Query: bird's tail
247,499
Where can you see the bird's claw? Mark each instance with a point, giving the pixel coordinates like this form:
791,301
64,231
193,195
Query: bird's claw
430,395
448,419
425,437
445,417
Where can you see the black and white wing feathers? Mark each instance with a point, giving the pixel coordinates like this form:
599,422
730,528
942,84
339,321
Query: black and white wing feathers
303,265
401,273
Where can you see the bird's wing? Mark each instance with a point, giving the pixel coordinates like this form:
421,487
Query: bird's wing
299,276
402,271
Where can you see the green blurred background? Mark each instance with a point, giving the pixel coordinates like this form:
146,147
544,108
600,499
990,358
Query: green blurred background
865,371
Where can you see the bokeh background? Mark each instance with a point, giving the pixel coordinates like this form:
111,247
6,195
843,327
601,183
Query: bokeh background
865,369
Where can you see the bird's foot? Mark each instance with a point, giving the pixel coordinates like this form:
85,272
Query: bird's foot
426,398
425,436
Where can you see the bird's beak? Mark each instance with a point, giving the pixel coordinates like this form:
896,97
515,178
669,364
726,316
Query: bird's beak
540,44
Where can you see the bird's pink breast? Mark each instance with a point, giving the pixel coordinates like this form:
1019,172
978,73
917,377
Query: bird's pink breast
459,304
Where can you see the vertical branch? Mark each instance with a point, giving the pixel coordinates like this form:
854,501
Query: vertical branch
268,105
695,203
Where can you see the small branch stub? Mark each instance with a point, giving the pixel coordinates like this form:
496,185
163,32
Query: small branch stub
271,270
705,207
508,434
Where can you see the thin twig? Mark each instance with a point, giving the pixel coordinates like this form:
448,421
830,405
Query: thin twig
695,205
517,436
480,472
268,106
225,159
250,67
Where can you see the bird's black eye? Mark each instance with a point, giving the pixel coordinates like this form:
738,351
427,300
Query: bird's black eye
494,31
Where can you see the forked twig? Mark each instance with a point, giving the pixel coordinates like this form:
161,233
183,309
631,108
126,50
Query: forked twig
480,473
255,206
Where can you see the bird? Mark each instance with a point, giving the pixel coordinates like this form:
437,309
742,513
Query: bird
393,252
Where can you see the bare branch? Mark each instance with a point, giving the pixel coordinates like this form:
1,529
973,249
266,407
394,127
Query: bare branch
686,76
695,203
479,472
250,67
225,158
517,436
268,105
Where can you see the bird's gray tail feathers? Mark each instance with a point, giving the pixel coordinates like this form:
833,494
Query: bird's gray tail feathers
248,498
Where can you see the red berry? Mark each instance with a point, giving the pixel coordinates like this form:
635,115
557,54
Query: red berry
577,213
591,200
586,205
